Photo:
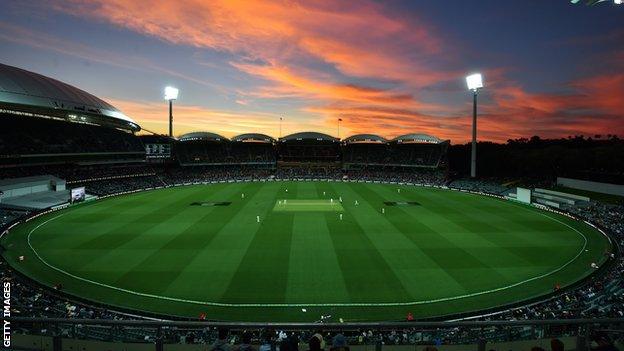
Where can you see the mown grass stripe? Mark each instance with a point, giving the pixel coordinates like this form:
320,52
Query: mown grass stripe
262,274
156,272
214,266
455,260
367,273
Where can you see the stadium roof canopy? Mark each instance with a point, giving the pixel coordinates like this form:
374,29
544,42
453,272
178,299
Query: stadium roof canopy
309,136
417,138
27,93
254,137
365,138
203,136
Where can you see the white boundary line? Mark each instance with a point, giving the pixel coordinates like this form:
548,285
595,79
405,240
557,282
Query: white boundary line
362,304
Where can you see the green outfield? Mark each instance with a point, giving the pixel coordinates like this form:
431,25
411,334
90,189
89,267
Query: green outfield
267,251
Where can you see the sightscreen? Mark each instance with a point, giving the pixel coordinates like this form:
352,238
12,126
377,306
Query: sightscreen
524,195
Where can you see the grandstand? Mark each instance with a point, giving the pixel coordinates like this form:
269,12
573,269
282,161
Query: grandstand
28,94
202,148
365,149
253,149
59,123
409,150
419,150
205,149
308,147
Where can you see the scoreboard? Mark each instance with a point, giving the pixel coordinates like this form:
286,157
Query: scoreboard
159,150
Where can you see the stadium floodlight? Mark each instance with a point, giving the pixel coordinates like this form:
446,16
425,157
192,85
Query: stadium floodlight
171,94
595,2
475,82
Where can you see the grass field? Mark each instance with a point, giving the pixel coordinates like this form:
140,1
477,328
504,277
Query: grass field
440,252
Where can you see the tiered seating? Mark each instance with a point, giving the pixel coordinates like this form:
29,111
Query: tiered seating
44,136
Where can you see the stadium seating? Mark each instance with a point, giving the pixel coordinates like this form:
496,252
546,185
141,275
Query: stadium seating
50,141
308,147
210,149
375,151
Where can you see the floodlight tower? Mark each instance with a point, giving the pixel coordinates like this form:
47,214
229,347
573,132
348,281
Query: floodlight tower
171,94
475,82
339,120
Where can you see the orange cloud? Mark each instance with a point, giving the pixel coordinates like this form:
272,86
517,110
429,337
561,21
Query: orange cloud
319,52
274,40
291,84
154,116
603,92
281,32
593,106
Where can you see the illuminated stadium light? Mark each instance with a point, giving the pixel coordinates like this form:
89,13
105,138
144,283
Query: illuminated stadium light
474,81
594,2
171,93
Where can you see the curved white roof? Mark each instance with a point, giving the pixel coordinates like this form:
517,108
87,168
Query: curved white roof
205,136
309,136
365,138
25,88
417,138
257,137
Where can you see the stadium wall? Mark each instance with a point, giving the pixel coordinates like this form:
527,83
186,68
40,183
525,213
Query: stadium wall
37,342
604,188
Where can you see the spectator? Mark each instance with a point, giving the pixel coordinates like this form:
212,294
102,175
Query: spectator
314,344
339,343
221,344
246,342
267,343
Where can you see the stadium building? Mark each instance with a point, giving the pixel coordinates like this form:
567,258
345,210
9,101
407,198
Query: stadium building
60,123
149,240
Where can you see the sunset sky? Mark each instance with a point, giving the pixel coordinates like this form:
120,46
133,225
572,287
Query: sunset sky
387,67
